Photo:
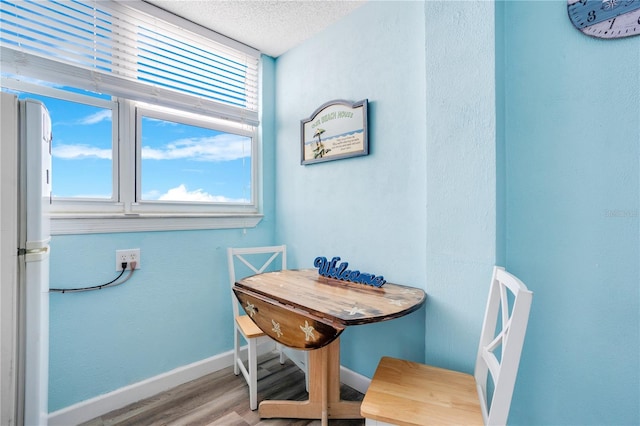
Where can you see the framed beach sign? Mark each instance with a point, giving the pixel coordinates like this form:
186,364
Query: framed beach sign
336,130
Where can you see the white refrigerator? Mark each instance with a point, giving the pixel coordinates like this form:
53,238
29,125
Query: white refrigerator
25,196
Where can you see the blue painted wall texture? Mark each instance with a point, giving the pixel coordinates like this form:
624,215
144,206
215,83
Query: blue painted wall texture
571,151
368,210
498,134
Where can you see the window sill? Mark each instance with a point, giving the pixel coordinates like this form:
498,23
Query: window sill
70,224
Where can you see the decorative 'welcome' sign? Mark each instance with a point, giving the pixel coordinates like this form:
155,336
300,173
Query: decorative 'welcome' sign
329,269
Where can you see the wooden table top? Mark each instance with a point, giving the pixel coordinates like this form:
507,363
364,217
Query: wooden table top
339,302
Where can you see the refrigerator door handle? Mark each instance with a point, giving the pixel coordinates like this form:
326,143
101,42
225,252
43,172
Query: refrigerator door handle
34,254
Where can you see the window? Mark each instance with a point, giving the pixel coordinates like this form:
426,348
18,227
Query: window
85,129
84,149
153,117
192,161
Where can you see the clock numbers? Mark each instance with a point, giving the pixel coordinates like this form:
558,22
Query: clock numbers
605,18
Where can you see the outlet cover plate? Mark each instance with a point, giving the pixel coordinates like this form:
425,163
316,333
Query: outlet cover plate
128,255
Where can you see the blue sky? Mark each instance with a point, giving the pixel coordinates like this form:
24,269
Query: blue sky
187,162
179,162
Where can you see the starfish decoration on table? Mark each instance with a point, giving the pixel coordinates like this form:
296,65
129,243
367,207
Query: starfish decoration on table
308,331
355,310
250,309
276,328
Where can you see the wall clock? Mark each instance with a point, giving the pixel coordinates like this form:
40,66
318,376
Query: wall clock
605,18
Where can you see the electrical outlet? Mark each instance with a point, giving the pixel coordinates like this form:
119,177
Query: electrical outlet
129,255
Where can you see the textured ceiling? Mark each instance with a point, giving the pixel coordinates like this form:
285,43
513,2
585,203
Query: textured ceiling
273,27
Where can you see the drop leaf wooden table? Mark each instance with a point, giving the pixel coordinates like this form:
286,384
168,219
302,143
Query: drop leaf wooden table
304,310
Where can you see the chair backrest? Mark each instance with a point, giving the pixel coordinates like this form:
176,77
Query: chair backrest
501,340
257,260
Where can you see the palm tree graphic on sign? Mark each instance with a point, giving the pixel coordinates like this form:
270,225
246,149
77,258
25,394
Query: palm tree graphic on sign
319,150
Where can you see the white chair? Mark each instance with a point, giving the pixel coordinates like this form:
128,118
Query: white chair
244,325
408,393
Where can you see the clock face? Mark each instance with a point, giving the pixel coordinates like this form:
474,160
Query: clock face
605,18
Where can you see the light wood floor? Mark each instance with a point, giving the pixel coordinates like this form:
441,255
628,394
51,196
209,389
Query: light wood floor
222,399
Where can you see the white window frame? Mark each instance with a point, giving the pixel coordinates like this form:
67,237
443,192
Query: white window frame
122,213
140,206
75,205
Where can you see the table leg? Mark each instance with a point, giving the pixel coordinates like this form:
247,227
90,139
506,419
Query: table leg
325,389
324,392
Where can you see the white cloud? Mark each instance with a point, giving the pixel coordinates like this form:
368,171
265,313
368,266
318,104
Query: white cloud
154,194
75,152
104,115
223,147
180,193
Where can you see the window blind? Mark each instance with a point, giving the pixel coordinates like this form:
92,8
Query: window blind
133,50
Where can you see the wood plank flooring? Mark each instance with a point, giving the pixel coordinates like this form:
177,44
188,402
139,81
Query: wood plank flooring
222,399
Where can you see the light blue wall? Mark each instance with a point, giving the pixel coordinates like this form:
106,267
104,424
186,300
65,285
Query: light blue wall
174,311
420,209
571,116
461,181
368,210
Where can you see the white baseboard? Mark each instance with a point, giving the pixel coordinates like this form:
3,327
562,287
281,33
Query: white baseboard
99,405
354,380
95,407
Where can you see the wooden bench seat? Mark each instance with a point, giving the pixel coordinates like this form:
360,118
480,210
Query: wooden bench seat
409,393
